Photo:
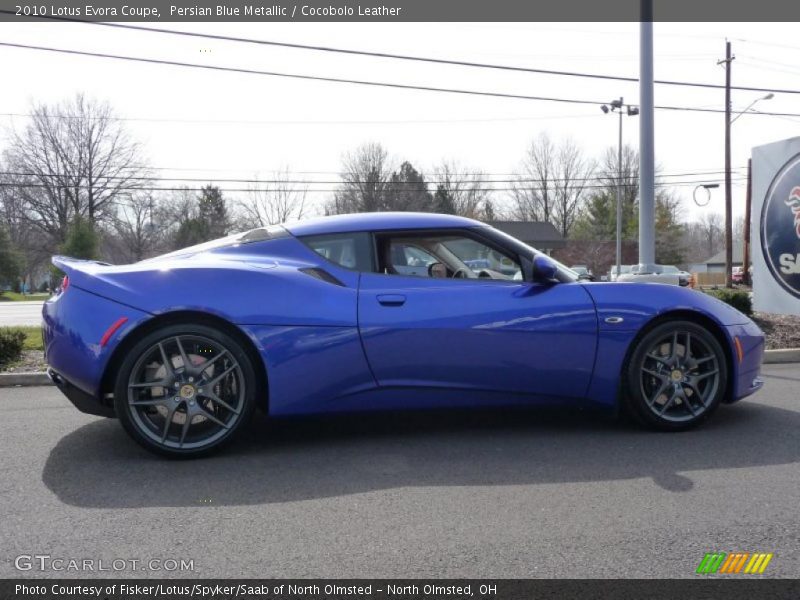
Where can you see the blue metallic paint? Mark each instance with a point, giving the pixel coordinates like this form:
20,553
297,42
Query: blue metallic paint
73,325
507,336
431,343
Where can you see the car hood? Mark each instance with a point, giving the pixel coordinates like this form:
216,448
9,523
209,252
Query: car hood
638,303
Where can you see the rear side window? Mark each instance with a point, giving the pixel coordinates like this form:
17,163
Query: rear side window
349,250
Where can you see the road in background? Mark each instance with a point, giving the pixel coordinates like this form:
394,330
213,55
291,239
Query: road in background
455,494
20,314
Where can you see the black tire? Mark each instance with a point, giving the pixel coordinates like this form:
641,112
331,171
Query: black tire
666,388
160,406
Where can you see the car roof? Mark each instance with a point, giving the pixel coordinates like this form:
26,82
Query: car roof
378,221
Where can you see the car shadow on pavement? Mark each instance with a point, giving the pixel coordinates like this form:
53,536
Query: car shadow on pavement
300,459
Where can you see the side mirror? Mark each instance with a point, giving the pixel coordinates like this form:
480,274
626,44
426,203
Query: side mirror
544,269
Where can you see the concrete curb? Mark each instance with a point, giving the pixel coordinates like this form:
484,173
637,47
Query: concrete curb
26,379
771,357
785,355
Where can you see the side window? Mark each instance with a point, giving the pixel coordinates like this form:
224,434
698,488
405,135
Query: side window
349,250
445,255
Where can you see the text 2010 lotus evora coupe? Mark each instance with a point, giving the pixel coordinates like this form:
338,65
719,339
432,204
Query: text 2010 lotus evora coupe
379,311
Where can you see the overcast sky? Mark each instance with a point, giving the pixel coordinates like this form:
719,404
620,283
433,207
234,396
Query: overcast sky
226,125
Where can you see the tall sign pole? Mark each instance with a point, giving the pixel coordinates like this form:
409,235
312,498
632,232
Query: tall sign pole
748,202
647,224
619,192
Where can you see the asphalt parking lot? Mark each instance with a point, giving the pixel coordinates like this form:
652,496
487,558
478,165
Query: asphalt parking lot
482,494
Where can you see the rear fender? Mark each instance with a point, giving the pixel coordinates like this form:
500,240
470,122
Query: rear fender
79,336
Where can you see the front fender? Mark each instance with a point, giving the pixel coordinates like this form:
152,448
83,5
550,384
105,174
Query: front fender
623,309
639,303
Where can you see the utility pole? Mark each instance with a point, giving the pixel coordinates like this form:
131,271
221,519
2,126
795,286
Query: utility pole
728,191
647,224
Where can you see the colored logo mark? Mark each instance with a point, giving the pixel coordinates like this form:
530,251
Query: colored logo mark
780,227
735,562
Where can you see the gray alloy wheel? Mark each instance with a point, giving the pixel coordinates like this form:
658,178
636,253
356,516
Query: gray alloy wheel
184,390
677,376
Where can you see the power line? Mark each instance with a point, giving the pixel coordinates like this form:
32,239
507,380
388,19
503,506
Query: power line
452,181
306,122
422,59
131,189
354,81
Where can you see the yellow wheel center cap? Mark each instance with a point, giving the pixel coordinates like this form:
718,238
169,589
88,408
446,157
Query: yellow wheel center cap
187,391
676,375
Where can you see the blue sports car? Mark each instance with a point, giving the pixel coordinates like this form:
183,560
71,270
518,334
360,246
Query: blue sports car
379,311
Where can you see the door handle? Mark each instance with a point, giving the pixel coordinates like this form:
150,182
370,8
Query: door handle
392,299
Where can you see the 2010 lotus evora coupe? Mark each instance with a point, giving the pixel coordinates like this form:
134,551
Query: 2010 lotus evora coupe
379,311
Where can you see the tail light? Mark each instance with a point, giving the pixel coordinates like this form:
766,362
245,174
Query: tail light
64,284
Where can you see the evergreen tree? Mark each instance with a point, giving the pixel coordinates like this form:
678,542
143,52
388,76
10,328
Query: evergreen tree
669,231
443,201
82,240
599,218
10,261
213,212
407,190
190,232
488,211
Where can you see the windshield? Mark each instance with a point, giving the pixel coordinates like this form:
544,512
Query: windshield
565,274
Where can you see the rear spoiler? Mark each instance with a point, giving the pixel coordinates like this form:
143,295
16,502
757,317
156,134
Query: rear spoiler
70,265
80,272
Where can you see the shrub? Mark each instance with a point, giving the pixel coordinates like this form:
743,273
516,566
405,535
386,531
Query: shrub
738,299
11,344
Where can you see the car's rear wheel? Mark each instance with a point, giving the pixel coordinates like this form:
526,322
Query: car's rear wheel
185,390
676,377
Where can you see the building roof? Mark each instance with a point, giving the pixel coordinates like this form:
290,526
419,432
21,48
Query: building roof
719,257
540,233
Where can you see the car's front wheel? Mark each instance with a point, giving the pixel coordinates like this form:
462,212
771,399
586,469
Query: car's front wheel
676,377
185,390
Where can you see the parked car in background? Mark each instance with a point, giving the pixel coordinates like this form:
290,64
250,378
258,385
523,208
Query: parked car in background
683,276
612,272
656,274
584,273
737,274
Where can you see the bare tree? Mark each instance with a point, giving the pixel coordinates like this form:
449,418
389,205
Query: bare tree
276,201
366,174
710,228
738,229
462,191
610,170
140,224
71,160
532,192
551,183
573,171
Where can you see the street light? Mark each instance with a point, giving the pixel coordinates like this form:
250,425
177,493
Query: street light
728,194
769,96
617,105
707,187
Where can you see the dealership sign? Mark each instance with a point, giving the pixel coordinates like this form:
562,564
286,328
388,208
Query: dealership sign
776,227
